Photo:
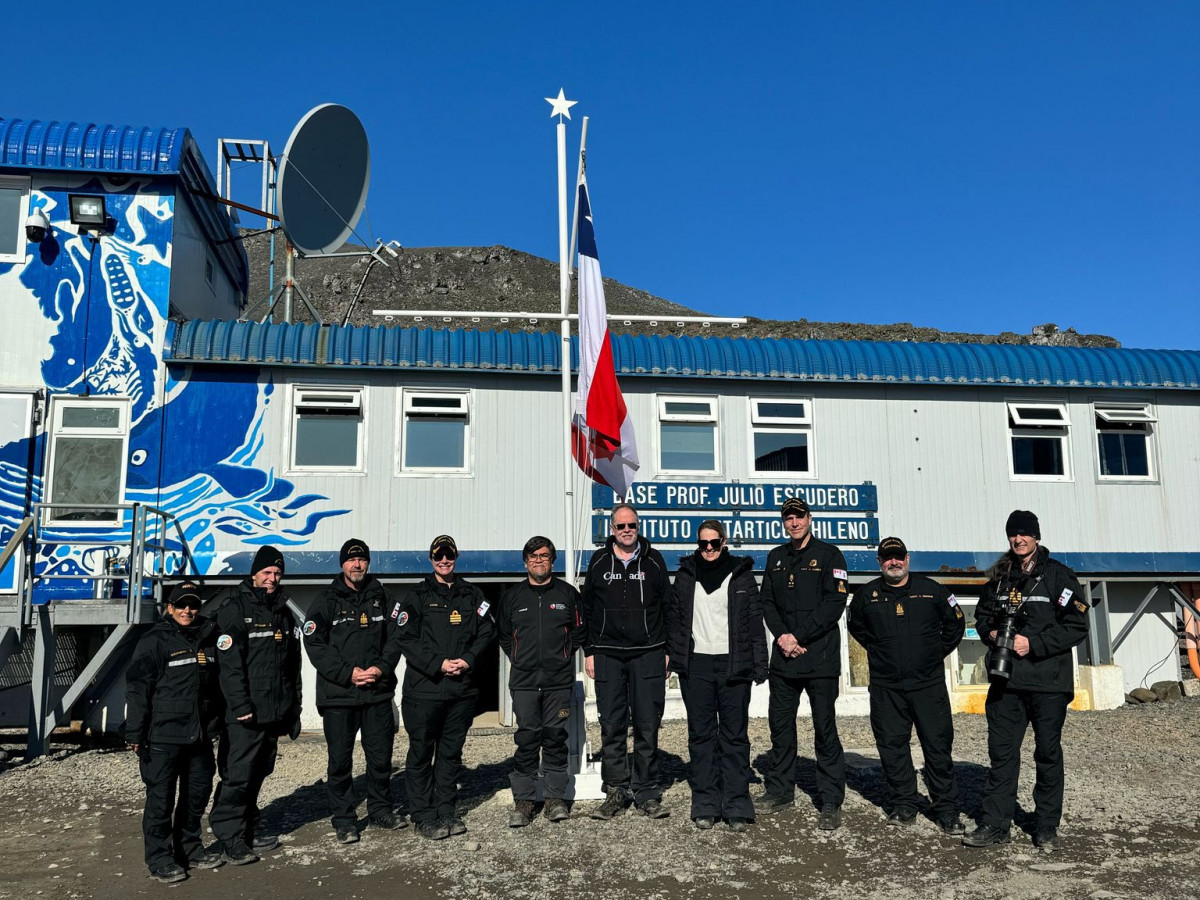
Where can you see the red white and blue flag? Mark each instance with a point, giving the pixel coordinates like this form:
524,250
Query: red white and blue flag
603,442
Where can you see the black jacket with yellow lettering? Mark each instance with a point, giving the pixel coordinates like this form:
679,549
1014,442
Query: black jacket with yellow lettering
540,628
345,629
908,631
436,622
804,595
258,656
1052,615
171,690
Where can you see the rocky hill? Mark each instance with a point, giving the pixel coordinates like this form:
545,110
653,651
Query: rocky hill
352,288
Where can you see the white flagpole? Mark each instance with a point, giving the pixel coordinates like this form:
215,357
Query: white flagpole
564,292
578,178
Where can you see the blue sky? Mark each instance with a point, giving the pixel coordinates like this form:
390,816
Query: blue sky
974,166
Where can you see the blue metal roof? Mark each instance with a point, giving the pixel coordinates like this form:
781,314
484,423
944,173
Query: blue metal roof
103,149
904,362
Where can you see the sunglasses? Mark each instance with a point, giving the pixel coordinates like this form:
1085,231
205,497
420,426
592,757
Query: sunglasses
194,607
439,555
709,545
624,526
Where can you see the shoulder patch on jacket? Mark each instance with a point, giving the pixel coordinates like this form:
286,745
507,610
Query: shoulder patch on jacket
1081,606
484,607
839,573
1065,596
952,600
224,642
309,627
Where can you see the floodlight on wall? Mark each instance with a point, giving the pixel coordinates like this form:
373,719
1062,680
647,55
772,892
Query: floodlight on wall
88,212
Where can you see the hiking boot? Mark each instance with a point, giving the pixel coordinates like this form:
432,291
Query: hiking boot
388,820
738,824
456,826
613,806
433,831
951,825
768,805
704,823
653,809
557,809
986,836
206,859
347,834
1046,840
265,843
168,872
238,855
902,817
522,814
831,817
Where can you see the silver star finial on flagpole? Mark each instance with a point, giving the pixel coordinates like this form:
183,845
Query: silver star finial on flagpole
560,105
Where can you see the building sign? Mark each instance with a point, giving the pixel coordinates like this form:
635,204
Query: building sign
749,512
731,495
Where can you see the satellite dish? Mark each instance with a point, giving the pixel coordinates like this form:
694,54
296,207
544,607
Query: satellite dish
323,179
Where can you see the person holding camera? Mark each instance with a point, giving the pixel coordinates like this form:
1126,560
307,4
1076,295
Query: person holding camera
1032,613
909,624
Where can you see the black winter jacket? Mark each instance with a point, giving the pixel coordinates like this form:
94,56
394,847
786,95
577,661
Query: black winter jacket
908,631
1052,615
436,622
539,631
804,595
747,639
171,690
259,656
347,629
624,602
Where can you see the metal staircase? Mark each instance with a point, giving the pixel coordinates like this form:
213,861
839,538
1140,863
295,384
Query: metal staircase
130,556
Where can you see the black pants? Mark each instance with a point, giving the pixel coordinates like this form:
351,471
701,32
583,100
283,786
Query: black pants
175,837
631,690
781,716
1009,713
718,716
437,730
893,714
541,730
342,723
245,758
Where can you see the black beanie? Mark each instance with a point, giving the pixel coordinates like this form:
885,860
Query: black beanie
266,557
354,549
1022,521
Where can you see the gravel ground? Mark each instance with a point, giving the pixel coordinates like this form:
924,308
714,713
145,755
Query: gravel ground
70,827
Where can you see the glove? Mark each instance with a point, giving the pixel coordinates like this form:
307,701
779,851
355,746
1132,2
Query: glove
294,731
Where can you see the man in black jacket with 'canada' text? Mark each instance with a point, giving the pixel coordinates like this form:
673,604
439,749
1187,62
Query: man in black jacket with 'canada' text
540,625
803,597
625,594
350,640
909,624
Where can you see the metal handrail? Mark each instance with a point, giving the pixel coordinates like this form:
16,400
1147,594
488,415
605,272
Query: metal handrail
134,531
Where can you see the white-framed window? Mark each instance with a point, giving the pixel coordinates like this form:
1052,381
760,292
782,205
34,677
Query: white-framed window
435,431
1038,445
781,436
86,464
1123,447
14,209
327,428
687,435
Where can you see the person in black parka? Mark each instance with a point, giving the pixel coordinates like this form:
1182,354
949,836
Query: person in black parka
349,637
173,715
717,645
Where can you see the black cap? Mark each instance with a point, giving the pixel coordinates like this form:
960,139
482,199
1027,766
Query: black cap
892,548
1022,521
794,506
354,549
266,557
445,541
185,594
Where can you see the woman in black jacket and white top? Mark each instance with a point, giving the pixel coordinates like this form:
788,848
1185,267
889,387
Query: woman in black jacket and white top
718,647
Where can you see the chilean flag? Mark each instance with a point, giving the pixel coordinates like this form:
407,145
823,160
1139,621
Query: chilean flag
602,442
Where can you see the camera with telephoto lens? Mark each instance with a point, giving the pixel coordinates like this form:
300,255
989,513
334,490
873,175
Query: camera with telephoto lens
1003,655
